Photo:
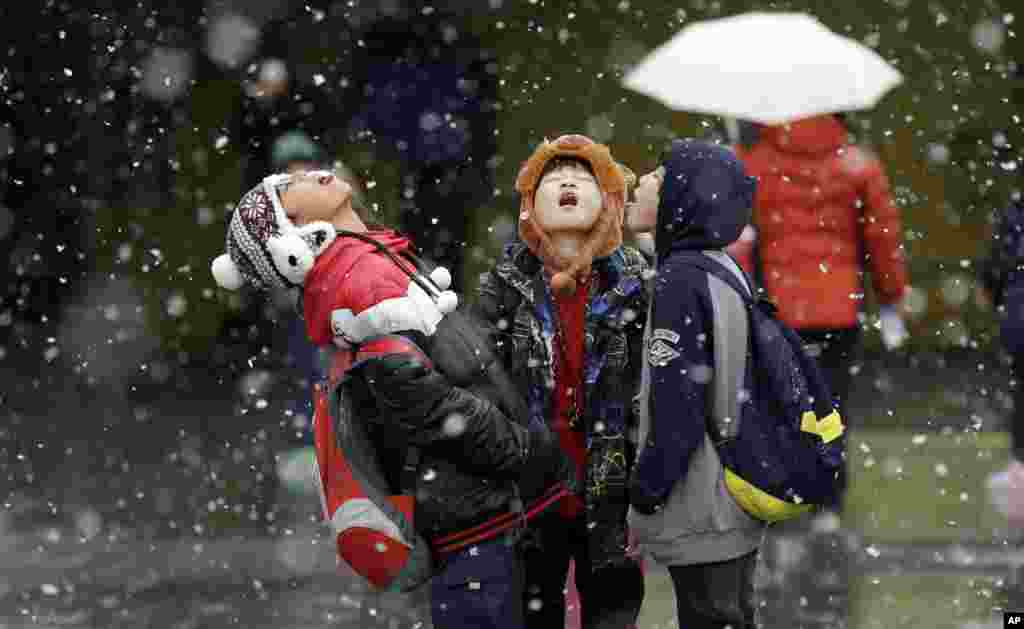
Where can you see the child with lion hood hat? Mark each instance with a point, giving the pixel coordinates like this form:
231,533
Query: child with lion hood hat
566,304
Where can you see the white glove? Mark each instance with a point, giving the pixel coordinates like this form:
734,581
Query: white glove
894,330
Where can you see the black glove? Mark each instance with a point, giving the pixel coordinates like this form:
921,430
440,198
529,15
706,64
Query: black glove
545,451
547,463
642,503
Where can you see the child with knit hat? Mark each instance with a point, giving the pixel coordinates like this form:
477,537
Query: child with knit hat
396,425
567,307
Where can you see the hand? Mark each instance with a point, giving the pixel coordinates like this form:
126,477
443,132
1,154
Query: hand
643,503
894,330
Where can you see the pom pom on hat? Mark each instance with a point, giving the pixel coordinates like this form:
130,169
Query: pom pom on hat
226,273
447,302
563,284
441,277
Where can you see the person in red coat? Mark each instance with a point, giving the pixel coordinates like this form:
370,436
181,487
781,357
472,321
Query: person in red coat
418,440
824,215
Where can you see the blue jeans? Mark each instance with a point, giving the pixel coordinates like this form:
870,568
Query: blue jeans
481,587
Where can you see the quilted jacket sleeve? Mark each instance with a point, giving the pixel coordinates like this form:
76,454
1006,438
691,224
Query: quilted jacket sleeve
680,357
883,235
451,422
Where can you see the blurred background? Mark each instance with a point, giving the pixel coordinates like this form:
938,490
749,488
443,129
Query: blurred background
151,426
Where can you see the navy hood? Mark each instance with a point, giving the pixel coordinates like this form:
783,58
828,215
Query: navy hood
705,198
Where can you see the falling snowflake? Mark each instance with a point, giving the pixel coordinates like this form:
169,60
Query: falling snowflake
454,425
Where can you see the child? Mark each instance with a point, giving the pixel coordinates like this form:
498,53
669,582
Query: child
475,474
567,304
698,199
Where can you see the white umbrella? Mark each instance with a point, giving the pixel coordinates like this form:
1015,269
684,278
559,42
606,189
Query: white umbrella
765,67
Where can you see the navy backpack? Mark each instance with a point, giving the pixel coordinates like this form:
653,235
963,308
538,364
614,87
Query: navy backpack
786,454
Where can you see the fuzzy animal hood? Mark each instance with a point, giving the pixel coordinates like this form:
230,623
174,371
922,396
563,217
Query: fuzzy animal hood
604,238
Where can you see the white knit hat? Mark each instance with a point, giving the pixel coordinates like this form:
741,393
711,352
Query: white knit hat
264,248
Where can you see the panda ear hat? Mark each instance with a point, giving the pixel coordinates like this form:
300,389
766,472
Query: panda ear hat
294,249
264,247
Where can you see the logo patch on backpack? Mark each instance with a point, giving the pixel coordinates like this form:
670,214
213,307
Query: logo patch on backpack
660,350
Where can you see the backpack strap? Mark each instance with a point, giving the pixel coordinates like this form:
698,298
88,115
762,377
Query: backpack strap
419,278
731,329
725,261
730,295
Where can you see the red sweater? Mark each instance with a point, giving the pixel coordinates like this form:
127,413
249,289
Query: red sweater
569,384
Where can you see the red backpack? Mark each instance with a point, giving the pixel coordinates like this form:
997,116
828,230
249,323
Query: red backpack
374,528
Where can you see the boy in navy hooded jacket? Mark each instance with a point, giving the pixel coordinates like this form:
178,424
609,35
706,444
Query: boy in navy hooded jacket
682,515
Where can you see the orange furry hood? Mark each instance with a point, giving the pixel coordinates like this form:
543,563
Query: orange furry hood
604,238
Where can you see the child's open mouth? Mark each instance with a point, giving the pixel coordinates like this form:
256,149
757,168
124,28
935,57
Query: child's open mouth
568,198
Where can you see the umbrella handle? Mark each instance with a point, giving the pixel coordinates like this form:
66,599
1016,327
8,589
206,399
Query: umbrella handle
732,129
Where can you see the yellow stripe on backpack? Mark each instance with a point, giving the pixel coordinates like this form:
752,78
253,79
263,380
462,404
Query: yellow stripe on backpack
767,507
760,504
829,428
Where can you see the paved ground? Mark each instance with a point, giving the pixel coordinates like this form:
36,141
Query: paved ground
53,579
151,502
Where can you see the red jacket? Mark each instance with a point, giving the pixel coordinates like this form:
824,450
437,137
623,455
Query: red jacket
351,276
823,208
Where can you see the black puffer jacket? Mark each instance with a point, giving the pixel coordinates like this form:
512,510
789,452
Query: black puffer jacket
473,466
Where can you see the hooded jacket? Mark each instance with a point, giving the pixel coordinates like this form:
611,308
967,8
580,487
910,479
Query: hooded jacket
469,474
823,208
704,204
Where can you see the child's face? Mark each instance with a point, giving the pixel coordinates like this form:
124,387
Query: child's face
643,214
568,199
317,195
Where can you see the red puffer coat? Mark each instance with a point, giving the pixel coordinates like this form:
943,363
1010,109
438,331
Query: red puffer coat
823,208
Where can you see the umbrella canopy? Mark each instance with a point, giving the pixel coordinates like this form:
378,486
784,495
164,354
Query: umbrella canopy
771,68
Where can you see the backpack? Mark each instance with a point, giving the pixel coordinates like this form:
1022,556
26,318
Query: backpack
787,453
374,528
374,531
